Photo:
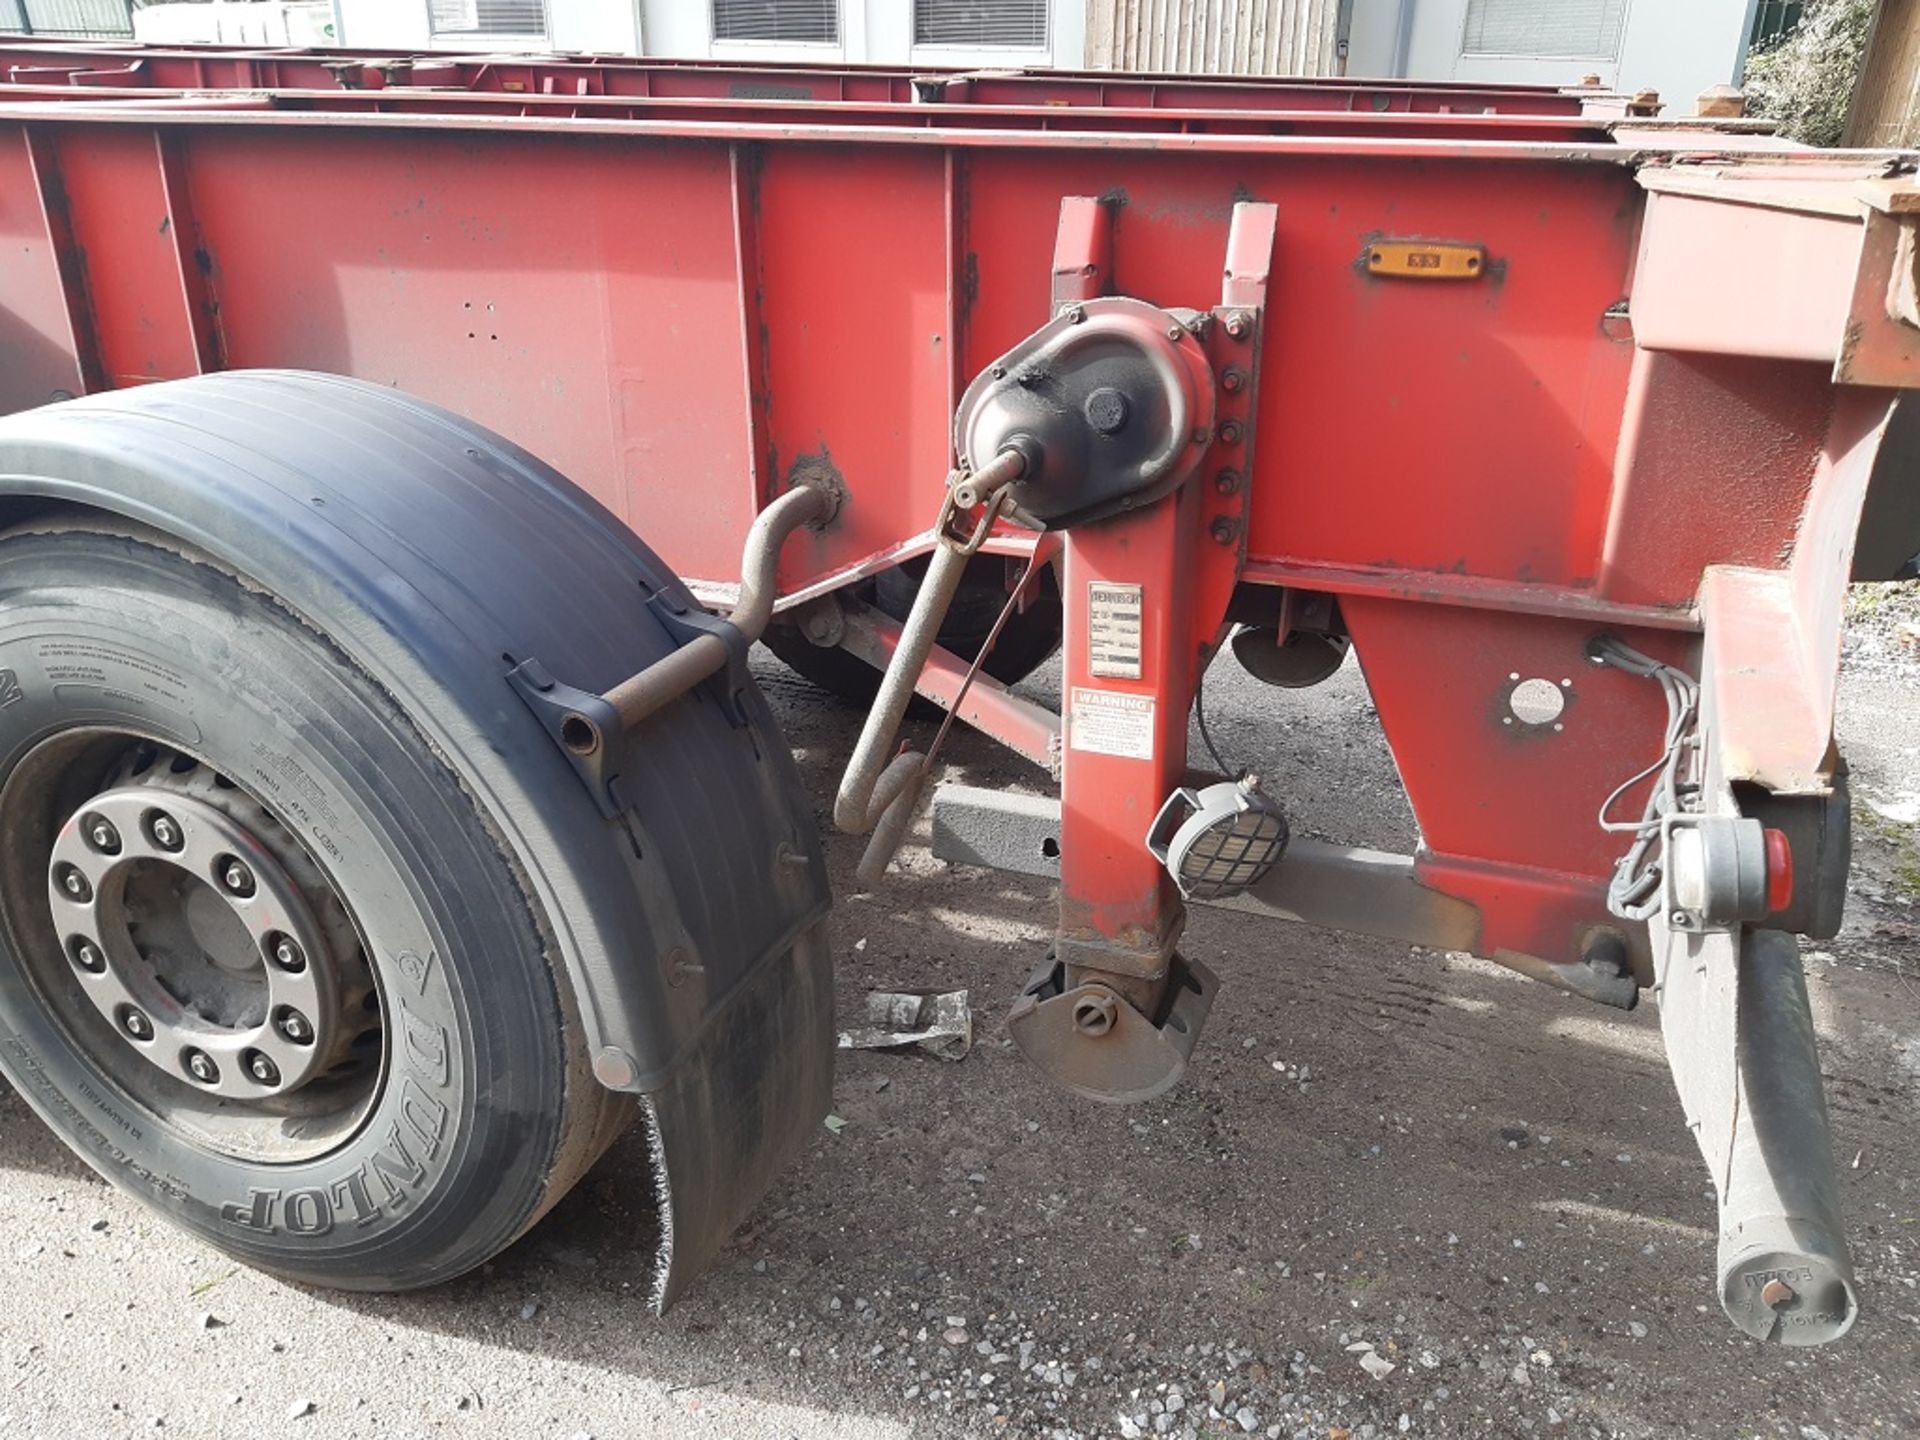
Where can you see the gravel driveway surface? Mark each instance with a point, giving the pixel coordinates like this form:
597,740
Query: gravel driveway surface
1398,1193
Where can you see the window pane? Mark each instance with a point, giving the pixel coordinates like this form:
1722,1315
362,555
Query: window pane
487,17
967,24
1559,29
799,22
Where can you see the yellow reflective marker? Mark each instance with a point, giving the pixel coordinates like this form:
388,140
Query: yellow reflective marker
1426,260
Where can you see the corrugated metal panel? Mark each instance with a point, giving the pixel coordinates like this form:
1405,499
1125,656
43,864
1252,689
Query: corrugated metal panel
105,19
797,22
1214,37
1886,107
1558,29
487,17
969,24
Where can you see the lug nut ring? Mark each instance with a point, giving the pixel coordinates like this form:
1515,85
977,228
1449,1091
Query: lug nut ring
214,879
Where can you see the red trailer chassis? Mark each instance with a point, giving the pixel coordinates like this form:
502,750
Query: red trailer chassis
1563,420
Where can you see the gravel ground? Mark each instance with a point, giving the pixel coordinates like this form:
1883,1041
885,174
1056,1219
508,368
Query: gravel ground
1398,1193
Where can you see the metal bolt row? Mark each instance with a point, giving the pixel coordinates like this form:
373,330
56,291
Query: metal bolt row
200,1065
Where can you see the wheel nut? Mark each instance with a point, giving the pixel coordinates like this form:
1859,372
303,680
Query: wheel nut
262,1069
102,835
200,1065
293,1025
165,831
1233,380
73,884
237,878
136,1024
87,955
286,954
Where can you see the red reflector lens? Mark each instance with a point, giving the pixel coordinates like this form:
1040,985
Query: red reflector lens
1779,871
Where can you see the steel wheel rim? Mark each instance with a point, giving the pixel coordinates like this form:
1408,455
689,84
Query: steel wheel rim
190,947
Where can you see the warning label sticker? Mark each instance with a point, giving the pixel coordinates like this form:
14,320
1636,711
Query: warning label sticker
1102,722
1113,631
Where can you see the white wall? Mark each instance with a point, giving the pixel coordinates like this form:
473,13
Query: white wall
270,22
1373,41
382,24
608,25
1678,47
1681,49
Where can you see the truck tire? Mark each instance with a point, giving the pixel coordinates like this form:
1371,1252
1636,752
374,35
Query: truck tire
264,962
1029,637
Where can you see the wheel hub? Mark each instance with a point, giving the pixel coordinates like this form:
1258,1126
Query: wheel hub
194,935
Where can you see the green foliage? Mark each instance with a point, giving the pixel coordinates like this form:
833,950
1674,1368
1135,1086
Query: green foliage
1805,80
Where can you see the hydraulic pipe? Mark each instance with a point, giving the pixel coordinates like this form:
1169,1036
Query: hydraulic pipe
672,676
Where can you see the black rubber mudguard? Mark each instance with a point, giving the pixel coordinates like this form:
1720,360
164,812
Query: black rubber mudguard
437,556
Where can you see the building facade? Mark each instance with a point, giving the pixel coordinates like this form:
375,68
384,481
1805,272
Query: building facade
1677,47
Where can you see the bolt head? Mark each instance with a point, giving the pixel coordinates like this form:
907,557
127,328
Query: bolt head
263,1069
1107,410
237,879
1229,432
201,1067
294,1026
287,955
87,956
1236,325
74,884
166,832
136,1024
103,837
1227,482
1233,380
1225,531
